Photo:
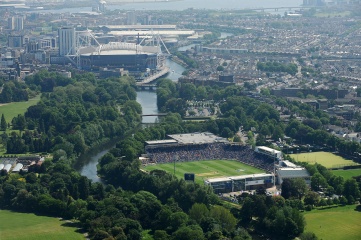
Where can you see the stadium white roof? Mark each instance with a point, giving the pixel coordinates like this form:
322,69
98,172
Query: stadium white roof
197,138
271,150
158,142
288,164
148,32
223,179
165,26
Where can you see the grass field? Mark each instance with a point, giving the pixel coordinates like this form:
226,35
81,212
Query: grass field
10,110
207,169
335,223
347,174
326,159
21,226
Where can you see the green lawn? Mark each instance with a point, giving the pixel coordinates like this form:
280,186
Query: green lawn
335,223
326,159
21,226
347,174
10,110
207,169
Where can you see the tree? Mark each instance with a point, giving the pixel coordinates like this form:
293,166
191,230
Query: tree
311,198
193,232
322,202
296,187
161,235
224,217
3,124
220,68
351,188
198,211
318,182
188,91
308,236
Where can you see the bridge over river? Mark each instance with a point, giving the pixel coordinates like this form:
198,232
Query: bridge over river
153,77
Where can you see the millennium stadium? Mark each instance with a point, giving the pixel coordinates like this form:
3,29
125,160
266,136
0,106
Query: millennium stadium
83,50
130,56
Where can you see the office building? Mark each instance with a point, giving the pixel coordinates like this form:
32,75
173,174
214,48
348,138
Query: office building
66,41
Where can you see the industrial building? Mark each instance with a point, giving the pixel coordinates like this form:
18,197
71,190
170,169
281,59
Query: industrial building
289,170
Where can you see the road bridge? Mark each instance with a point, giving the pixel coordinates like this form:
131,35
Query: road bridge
155,115
154,77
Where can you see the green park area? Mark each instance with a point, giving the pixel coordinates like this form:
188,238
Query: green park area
10,110
206,169
21,226
347,174
327,159
334,223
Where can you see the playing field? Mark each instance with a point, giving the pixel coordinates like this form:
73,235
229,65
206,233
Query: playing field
10,110
21,226
207,169
327,159
347,174
335,223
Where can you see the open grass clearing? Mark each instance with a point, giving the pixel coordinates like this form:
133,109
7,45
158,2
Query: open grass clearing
21,226
327,159
206,169
10,110
335,223
347,174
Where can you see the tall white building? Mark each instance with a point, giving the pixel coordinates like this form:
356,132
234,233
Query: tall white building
66,41
16,23
131,18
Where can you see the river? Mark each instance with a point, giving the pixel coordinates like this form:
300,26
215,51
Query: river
86,164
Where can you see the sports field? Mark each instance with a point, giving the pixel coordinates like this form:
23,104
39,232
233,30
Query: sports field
206,169
327,159
10,110
21,226
347,174
335,223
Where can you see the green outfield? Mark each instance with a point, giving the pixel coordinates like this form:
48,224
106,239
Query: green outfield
10,110
327,159
21,226
347,174
206,169
335,223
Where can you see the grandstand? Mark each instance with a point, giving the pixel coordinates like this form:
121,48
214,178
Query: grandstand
240,183
269,152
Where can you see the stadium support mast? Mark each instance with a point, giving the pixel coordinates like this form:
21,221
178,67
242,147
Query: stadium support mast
83,39
274,169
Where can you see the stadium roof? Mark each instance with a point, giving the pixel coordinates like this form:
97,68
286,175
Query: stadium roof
116,52
288,164
268,149
165,26
293,172
197,138
223,179
148,32
159,142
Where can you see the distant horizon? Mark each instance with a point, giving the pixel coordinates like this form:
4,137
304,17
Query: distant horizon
202,4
